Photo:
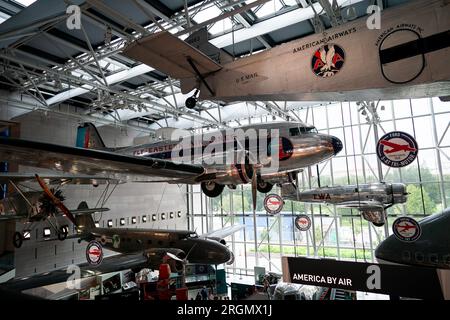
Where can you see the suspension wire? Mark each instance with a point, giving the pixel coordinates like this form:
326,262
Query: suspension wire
418,163
106,199
348,181
359,195
101,196
320,212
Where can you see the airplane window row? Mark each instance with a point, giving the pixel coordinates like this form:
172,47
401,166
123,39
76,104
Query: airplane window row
302,130
420,257
149,242
46,232
163,216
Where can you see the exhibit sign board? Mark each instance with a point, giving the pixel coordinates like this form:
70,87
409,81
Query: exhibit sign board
396,280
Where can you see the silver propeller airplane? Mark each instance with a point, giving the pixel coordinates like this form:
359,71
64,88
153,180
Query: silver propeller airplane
407,57
295,146
370,199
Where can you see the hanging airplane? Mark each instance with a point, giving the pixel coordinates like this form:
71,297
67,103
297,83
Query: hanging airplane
138,248
182,246
406,57
370,199
431,249
298,146
32,207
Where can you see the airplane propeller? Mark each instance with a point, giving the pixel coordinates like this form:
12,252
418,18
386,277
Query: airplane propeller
55,200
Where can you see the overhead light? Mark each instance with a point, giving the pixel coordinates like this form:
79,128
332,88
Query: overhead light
171,215
163,216
179,214
153,217
97,225
144,219
110,223
122,221
133,220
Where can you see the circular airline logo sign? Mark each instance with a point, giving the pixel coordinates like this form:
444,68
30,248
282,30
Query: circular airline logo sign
273,203
406,229
328,60
303,222
397,149
94,253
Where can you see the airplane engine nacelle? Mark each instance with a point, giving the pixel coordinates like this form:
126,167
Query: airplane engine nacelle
399,193
174,257
236,174
279,177
220,240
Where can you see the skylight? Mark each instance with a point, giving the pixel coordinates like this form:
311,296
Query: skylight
267,8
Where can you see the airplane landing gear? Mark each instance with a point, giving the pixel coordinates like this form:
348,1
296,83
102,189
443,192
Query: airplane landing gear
212,189
378,224
263,186
191,102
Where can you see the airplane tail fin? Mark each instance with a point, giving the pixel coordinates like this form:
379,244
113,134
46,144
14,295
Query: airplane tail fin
84,222
88,137
199,40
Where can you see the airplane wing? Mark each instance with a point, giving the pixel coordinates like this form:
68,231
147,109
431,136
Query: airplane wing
109,264
93,162
369,205
88,211
58,179
170,55
224,232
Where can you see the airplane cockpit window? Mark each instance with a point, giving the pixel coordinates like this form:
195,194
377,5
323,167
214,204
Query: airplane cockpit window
301,130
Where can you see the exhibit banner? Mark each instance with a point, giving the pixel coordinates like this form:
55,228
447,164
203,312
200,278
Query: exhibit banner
394,280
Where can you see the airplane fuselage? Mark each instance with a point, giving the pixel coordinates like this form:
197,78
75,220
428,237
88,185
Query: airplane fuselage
406,57
431,249
298,146
351,196
199,250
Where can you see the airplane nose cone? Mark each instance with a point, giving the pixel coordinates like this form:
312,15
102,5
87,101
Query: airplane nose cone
337,145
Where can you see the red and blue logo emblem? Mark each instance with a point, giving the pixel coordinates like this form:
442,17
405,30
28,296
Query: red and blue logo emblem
328,60
94,253
397,149
406,229
303,222
273,203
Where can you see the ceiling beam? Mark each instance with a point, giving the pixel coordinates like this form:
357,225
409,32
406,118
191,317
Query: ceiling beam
272,24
